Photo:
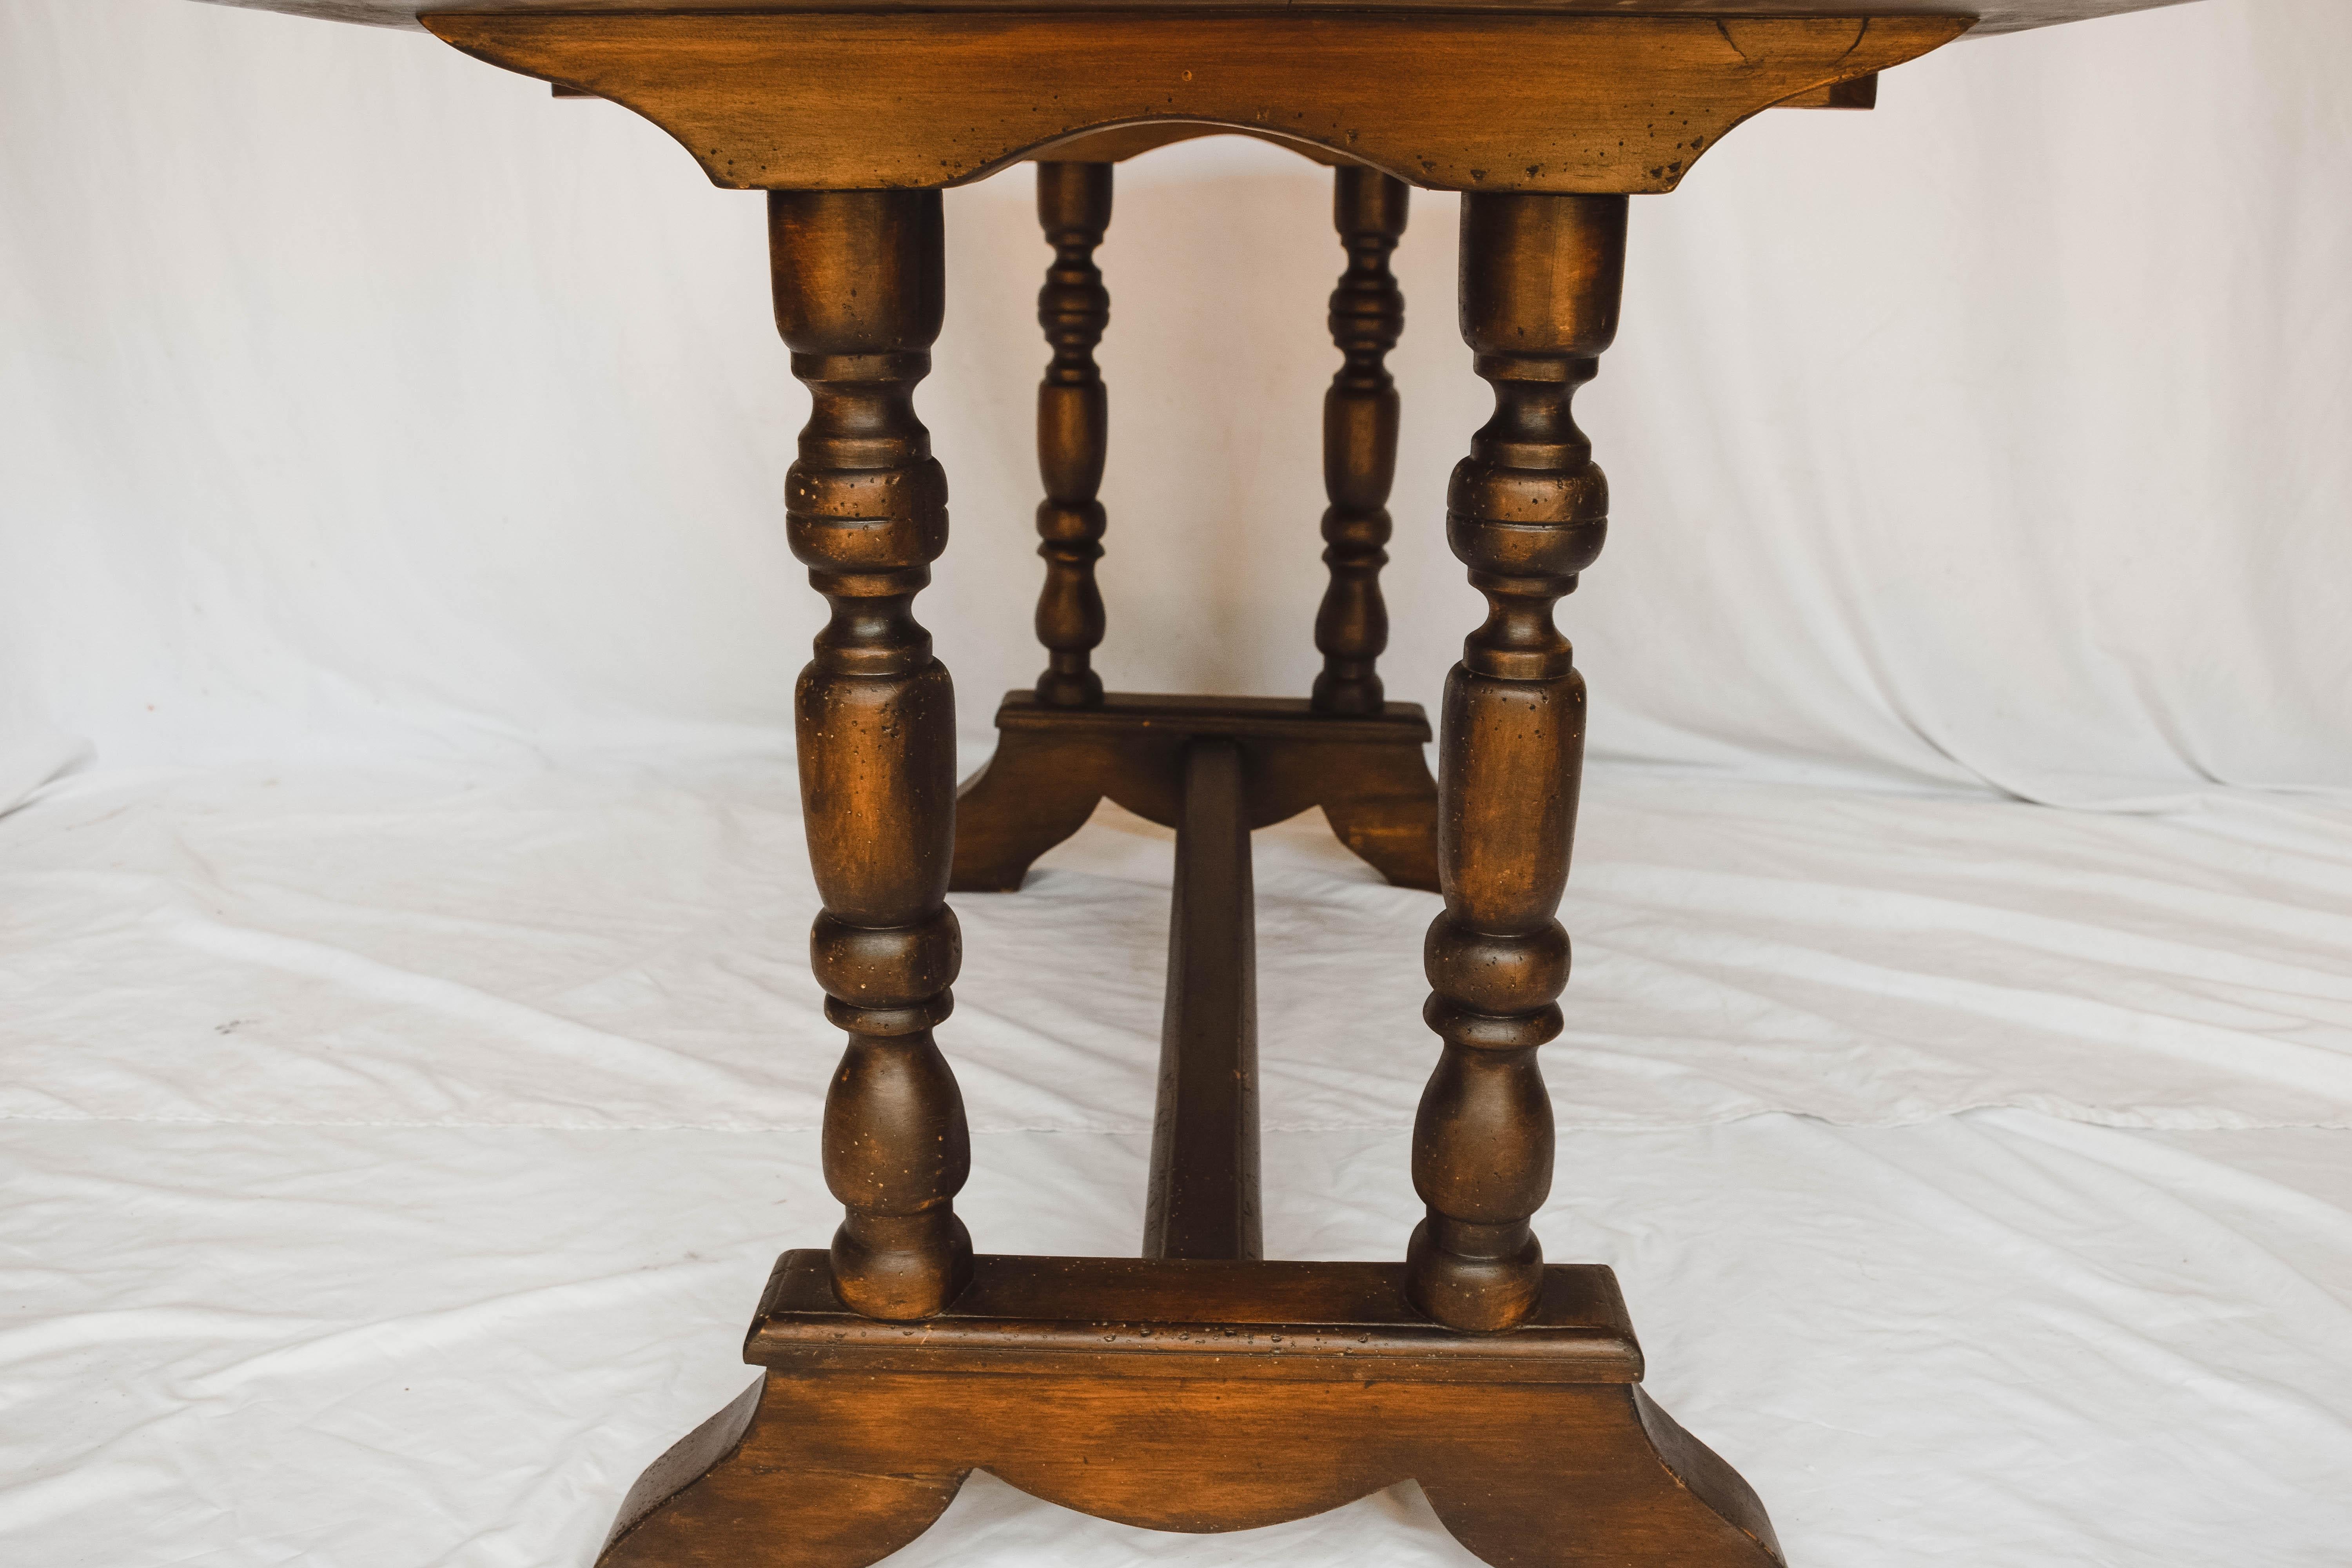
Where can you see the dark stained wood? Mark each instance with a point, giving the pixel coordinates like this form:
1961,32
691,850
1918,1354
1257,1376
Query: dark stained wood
1359,441
1121,143
860,289
1857,92
1200,1389
1587,103
840,1470
1526,512
1073,429
708,1444
1157,1317
1991,16
1202,1201
1197,1396
798,1484
1053,765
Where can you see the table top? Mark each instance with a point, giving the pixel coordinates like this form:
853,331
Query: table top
1993,16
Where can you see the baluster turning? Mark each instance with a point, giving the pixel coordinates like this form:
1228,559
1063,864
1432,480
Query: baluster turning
859,287
1526,512
1073,414
1359,441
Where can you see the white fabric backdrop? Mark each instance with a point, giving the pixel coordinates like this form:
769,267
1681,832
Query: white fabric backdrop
406,1061
356,398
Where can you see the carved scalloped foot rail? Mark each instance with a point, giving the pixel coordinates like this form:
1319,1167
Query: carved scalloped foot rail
1198,1396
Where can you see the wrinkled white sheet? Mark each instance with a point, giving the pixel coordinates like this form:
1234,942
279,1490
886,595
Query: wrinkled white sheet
389,1159
627,948
1992,1338
392,1160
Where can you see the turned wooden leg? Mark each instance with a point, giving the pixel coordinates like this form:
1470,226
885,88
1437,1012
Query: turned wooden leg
859,292
1359,441
1527,510
1073,414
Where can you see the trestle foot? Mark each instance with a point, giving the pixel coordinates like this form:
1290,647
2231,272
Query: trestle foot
1053,765
767,1483
1195,1396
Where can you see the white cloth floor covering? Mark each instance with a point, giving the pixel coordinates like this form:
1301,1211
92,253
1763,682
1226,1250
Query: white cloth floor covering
394,1158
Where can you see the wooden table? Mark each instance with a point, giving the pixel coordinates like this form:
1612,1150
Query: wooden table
1197,1387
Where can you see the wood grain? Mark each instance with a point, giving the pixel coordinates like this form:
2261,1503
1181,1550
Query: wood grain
1165,1317
1990,16
1563,102
1199,1397
1053,765
1121,143
1073,429
859,291
839,1470
1198,1389
1854,92
1526,512
1359,441
1202,1196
